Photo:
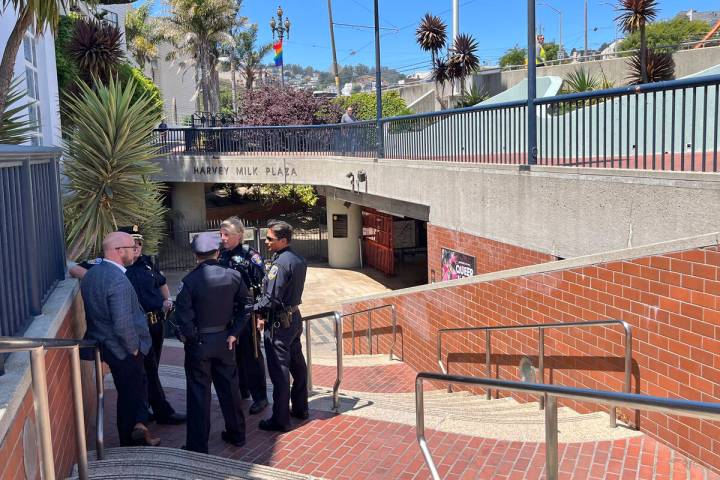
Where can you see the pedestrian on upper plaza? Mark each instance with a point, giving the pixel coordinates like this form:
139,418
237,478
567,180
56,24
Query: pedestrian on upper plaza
540,56
154,296
117,322
347,135
278,305
348,116
212,310
247,261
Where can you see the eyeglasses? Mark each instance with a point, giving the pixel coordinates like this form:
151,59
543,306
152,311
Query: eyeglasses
270,239
120,248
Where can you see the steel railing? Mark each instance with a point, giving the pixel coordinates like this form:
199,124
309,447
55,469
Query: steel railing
541,327
369,328
38,373
339,353
30,215
704,410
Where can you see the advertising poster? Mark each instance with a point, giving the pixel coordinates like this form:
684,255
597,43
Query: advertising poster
456,265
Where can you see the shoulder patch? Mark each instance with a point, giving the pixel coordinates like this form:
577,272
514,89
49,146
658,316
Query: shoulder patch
273,272
180,287
257,260
95,261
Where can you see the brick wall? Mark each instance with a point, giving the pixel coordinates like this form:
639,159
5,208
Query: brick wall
490,256
62,418
671,300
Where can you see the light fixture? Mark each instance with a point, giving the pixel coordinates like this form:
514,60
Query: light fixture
361,176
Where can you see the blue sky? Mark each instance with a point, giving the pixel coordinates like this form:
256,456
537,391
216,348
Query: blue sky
496,24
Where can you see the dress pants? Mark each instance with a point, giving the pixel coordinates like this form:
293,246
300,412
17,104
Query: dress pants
129,377
251,370
208,361
285,358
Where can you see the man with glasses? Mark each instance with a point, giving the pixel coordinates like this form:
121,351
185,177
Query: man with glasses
117,322
154,296
282,291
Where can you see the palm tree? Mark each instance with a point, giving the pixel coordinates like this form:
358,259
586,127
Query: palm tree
241,54
196,28
431,35
659,66
636,14
97,48
142,34
107,163
14,123
463,60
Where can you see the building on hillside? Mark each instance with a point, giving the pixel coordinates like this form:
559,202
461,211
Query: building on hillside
35,64
711,17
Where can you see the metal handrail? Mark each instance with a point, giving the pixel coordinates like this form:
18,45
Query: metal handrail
369,330
541,327
339,353
705,410
38,373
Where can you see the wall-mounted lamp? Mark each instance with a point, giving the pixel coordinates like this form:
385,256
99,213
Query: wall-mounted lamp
361,176
347,204
351,176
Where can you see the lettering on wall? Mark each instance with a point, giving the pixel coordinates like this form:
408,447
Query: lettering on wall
246,171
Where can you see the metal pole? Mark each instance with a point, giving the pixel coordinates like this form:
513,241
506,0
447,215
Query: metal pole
29,225
455,33
394,331
551,439
532,78
369,332
100,412
541,362
339,350
79,413
42,412
308,354
488,367
378,85
586,28
332,44
420,428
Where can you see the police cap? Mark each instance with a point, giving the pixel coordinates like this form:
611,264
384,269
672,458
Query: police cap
205,243
133,230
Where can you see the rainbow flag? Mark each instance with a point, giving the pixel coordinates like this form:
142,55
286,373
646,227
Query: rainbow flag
277,46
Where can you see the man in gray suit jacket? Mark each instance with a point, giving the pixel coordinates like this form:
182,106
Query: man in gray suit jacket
116,320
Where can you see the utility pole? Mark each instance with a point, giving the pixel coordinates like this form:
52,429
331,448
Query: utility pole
455,33
586,29
332,43
378,85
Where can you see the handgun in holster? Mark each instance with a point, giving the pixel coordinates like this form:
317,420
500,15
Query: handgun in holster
177,331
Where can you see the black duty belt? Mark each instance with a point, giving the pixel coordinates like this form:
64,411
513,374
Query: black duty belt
154,316
217,329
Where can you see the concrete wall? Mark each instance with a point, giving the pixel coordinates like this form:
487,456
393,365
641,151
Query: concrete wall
176,81
188,203
615,70
560,211
344,252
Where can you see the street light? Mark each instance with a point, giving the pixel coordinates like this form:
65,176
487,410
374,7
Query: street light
282,29
560,49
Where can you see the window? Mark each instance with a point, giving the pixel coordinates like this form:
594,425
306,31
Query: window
32,86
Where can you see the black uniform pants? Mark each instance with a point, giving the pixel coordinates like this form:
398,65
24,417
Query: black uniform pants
156,395
157,335
285,358
208,361
251,370
129,377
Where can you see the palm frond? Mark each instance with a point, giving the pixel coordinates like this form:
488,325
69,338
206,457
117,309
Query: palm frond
431,33
463,59
660,67
635,14
15,125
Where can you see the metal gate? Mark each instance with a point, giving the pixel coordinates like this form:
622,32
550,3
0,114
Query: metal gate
309,242
377,241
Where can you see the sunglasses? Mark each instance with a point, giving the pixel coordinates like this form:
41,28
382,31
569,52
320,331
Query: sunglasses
270,239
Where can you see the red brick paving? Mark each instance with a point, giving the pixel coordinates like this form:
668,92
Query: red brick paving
347,448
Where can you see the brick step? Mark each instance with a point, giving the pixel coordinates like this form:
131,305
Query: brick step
159,463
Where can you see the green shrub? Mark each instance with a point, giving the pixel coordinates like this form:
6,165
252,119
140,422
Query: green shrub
143,86
393,105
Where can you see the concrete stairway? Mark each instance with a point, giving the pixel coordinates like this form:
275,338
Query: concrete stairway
158,463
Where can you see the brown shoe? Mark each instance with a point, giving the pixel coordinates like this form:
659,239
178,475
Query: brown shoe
141,437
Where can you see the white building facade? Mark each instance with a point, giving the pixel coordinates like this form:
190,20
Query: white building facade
35,64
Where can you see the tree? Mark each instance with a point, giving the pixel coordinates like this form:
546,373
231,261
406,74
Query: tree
285,105
14,123
667,33
364,105
463,61
514,56
551,50
431,35
142,33
107,163
636,14
244,54
660,66
96,48
196,28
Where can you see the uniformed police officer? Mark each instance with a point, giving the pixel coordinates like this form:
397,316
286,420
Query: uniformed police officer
211,311
154,296
248,262
281,294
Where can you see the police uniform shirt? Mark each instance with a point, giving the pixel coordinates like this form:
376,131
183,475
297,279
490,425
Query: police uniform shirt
246,260
208,297
284,282
147,281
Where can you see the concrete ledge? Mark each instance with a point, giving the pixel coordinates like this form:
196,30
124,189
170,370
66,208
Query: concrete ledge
15,383
681,244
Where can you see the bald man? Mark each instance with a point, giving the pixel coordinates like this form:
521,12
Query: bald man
116,320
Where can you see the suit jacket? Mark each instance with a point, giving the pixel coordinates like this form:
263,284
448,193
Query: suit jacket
113,312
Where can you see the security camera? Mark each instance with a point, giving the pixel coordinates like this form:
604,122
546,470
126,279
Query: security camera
361,176
349,175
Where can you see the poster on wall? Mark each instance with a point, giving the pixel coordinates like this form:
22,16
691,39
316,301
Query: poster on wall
454,265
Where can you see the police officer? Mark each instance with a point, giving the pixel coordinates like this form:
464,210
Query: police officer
248,262
154,296
278,305
211,311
